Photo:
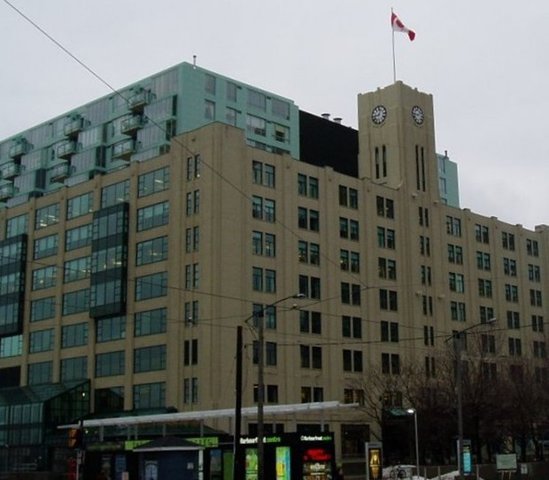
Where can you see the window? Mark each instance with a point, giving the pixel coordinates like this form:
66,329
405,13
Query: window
308,219
389,331
453,226
380,163
74,335
151,322
310,322
513,320
17,225
209,110
74,369
270,353
76,302
267,312
537,323
456,282
209,84
535,298
508,241
428,335
309,252
539,350
390,363
263,209
151,286
351,327
427,304
485,288
488,343
110,364
430,370
455,254
309,286
423,214
192,276
483,261
388,300
41,340
458,311
385,207
115,193
110,329
42,309
348,197
348,228
263,280
386,268
532,248
11,346
77,269
510,267
257,99
153,182
232,90
40,373
263,174
350,293
385,238
481,233
424,246
194,165
46,216
153,395
280,108
312,394
515,347
153,216
307,186
256,125
311,357
78,237
263,244
81,205
486,313
511,293
352,361
45,246
190,352
44,277
425,275
190,390
192,239
534,273
152,251
149,359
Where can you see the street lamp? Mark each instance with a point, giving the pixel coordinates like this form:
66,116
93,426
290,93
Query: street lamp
261,383
459,338
413,411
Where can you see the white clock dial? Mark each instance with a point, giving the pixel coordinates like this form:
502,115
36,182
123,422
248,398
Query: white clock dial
418,115
379,114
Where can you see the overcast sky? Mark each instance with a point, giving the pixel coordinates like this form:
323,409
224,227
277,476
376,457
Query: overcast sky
485,62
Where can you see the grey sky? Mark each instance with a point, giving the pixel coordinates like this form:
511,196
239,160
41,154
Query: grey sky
485,63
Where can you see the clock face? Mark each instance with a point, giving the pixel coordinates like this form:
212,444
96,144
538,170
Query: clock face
418,115
379,114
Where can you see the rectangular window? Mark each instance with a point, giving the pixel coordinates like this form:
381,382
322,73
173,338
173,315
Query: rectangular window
42,309
74,335
458,311
46,216
190,390
256,125
309,286
389,331
483,261
11,346
511,293
153,182
77,269
351,327
110,364
513,320
386,268
532,248
115,193
481,234
453,226
309,252
190,352
485,288
263,174
152,251
81,205
209,83
535,298
41,340
209,110
388,300
307,186
509,267
263,209
310,322
257,100
352,361
385,207
455,254
110,329
390,363
515,347
78,237
424,246
153,216
45,246
151,286
537,323
17,225
40,373
534,273
456,282
508,241
385,238
151,322
74,369
151,395
44,278
76,302
149,359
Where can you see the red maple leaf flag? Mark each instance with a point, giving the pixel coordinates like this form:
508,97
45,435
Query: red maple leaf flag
398,26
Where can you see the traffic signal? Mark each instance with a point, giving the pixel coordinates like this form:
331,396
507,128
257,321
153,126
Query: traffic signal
75,438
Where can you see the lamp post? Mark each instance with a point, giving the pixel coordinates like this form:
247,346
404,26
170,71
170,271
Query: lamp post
261,383
459,338
413,411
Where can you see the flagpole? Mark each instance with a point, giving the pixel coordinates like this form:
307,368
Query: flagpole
393,42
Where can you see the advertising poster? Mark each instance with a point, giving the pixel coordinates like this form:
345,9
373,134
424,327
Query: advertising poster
283,463
251,464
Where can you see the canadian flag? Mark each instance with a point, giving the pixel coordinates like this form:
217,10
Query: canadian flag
398,26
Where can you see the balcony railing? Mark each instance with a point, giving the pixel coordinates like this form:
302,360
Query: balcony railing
20,148
138,100
66,150
123,150
59,172
130,125
10,170
6,191
73,126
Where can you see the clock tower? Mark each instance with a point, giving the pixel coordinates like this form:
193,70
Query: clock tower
396,139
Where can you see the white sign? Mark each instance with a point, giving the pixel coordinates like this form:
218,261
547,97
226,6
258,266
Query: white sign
506,462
